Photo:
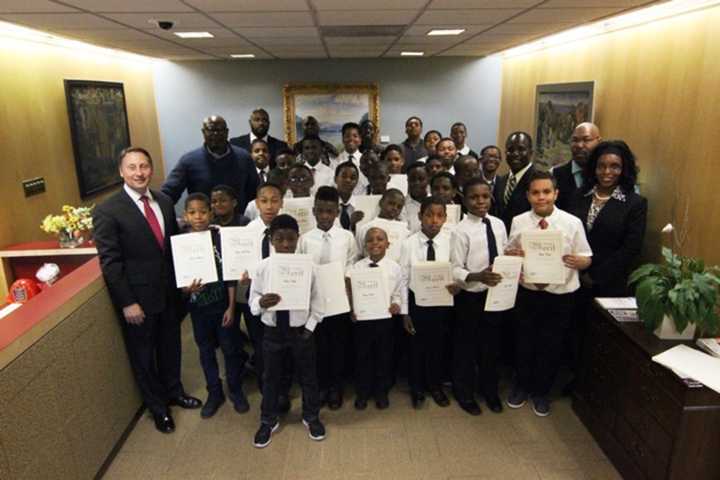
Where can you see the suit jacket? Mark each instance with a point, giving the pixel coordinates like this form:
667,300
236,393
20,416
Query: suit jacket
518,202
616,239
135,268
566,185
274,145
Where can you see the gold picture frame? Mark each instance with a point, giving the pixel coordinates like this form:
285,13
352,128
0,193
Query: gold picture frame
332,104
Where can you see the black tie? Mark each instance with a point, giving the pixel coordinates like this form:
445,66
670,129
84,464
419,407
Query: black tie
266,244
430,251
262,175
282,318
492,245
373,265
345,216
367,190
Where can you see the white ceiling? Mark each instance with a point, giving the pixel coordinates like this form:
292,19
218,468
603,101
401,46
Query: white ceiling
293,28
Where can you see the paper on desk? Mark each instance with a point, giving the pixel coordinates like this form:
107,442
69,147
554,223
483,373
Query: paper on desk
692,363
5,311
617,303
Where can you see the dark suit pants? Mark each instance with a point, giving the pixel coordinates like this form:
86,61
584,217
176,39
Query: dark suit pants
277,344
541,322
209,334
476,341
374,356
426,346
331,339
256,329
155,354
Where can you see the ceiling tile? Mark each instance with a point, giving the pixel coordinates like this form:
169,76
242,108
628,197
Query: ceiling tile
495,38
190,57
227,51
296,32
355,17
456,4
337,51
268,19
359,54
295,49
425,40
183,21
595,3
530,29
216,31
294,56
130,6
64,21
290,41
250,5
32,6
214,42
341,5
358,42
467,17
573,15
417,30
108,35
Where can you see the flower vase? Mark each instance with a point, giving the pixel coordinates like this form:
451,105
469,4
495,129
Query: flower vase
668,331
69,240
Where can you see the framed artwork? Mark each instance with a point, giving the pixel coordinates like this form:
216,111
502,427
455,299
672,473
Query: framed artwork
559,108
99,129
332,105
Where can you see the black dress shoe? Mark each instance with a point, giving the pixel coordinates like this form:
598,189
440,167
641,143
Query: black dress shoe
212,404
470,407
240,402
361,403
164,423
418,398
440,398
283,403
381,401
494,403
568,389
334,399
186,401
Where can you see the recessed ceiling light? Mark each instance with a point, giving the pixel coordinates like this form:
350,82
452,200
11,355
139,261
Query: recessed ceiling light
412,54
194,34
446,31
243,55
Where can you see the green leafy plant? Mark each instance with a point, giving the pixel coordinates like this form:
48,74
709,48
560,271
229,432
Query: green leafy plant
681,288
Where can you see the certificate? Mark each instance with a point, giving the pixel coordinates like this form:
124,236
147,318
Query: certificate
240,251
502,296
399,181
291,278
396,232
193,258
331,285
301,210
371,300
369,205
429,281
543,257
453,214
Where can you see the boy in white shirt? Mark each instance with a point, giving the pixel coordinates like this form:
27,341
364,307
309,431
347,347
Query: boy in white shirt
286,332
312,149
544,311
391,205
374,338
329,243
418,181
346,179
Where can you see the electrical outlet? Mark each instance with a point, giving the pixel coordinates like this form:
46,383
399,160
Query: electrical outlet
384,138
33,186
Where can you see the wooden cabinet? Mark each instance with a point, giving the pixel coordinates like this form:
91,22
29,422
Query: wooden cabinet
650,423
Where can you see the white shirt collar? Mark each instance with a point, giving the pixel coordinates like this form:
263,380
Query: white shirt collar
253,137
518,176
465,150
135,195
549,219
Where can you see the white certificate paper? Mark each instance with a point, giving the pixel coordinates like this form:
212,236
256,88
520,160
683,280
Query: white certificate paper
399,181
331,285
429,281
291,278
240,251
396,232
369,205
371,300
193,258
543,257
502,296
454,213
301,210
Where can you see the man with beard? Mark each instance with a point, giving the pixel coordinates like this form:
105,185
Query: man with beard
259,127
368,133
311,129
569,176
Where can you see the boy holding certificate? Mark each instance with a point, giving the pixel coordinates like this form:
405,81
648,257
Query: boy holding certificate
212,311
391,206
286,332
544,310
479,238
426,324
374,331
328,243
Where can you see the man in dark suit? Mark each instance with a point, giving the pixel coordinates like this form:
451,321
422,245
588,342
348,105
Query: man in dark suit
569,176
511,189
259,127
132,231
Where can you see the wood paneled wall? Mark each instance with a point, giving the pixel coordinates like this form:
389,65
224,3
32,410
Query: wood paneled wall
658,88
35,134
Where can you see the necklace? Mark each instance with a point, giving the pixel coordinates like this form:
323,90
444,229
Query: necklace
602,199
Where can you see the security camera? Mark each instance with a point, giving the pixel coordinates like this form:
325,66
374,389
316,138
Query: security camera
165,24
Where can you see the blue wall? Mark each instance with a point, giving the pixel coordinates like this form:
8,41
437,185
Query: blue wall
439,90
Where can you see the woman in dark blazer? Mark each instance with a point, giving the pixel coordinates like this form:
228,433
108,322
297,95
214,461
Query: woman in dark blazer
614,216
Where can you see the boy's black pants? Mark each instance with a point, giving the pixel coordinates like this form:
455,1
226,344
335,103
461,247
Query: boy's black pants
374,356
331,339
426,346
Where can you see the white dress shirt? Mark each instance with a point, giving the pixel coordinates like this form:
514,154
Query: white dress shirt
470,252
410,214
342,246
135,196
465,150
395,248
574,242
415,248
344,156
395,281
259,226
322,175
309,318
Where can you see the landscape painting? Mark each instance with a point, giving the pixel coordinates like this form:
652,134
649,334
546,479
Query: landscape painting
99,129
559,109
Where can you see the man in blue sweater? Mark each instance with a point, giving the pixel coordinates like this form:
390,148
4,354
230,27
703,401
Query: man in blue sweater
216,162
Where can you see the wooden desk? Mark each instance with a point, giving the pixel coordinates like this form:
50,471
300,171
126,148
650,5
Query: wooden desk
650,423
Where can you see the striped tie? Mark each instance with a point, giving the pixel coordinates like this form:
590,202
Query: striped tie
509,188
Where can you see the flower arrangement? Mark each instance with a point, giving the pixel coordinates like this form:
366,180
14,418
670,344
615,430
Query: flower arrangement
69,225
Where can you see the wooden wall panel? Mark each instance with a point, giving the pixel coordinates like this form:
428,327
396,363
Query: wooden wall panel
658,88
35,133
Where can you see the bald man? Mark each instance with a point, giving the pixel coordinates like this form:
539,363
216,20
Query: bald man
259,127
585,138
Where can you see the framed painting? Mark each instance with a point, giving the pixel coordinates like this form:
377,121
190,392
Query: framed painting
99,130
559,108
332,105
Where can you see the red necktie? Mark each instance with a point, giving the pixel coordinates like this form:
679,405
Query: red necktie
153,221
543,224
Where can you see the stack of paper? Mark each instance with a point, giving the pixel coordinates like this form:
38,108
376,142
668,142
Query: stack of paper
688,362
